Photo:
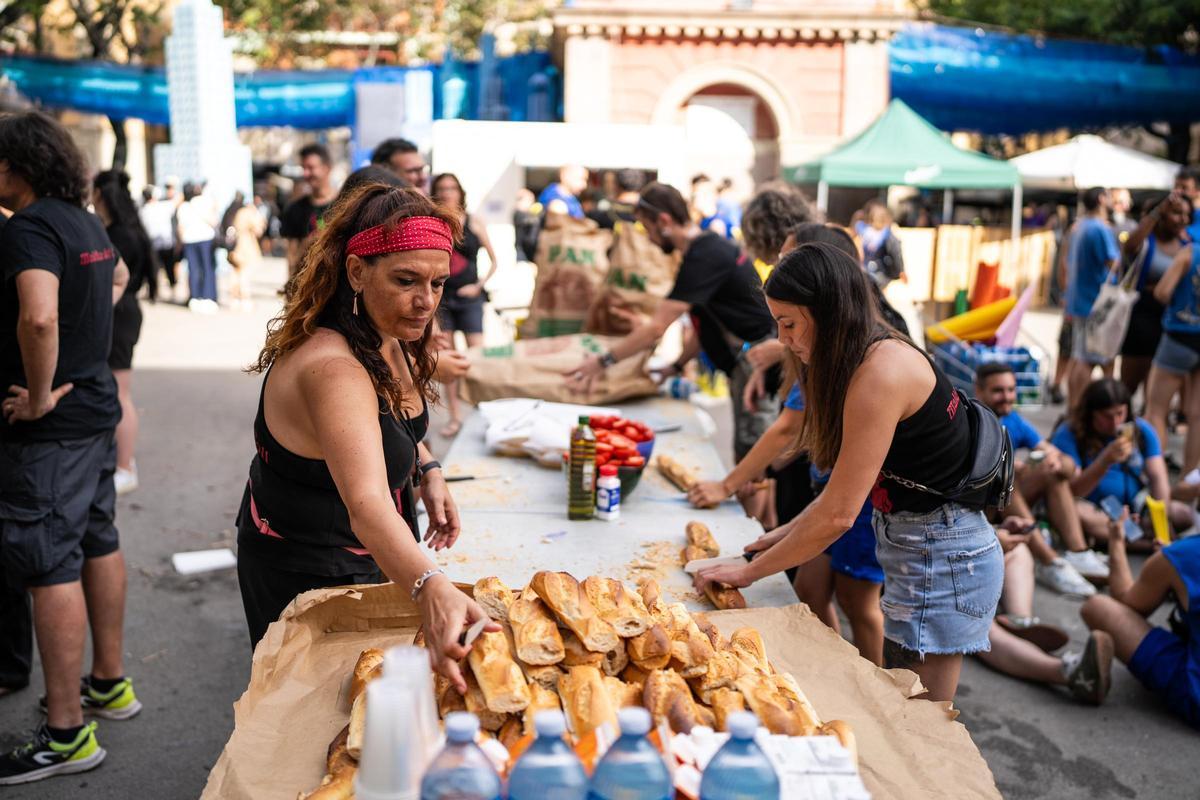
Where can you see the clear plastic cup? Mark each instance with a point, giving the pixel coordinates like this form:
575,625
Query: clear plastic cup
409,666
394,753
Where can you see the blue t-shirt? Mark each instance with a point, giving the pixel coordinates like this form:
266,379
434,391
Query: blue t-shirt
1193,230
555,191
1122,481
1093,247
1183,312
1184,556
1023,435
795,398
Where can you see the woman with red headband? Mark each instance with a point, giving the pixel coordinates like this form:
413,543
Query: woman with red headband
348,373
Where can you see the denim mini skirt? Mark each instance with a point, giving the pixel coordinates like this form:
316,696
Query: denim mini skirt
943,572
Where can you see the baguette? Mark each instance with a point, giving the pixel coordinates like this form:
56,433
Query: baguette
692,553
503,683
779,713
367,668
676,473
841,729
615,660
510,732
786,685
652,649
546,677
722,671
577,655
667,697
622,694
689,647
537,639
357,727
540,699
698,535
708,629
635,674
724,596
624,610
705,716
724,703
566,598
748,646
419,637
338,783
494,597
475,703
652,596
585,700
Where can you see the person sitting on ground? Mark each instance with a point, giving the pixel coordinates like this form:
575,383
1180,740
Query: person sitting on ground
1119,456
1022,645
1167,662
1044,476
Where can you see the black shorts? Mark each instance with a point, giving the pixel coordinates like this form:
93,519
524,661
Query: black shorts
1145,327
56,507
127,327
461,316
267,590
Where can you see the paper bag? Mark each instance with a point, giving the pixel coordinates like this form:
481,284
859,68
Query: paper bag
572,259
534,368
296,701
639,275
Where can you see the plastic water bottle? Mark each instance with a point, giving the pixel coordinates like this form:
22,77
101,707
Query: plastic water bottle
548,769
632,769
461,771
740,770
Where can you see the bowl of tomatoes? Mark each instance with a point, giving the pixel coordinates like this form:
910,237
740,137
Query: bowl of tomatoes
625,443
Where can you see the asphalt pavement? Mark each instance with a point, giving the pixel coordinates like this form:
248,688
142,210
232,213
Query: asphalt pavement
188,652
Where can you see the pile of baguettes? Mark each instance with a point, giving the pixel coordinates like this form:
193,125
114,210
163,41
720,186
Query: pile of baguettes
590,649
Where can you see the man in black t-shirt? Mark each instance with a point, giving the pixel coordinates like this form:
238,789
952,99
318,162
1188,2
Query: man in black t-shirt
303,216
60,277
718,286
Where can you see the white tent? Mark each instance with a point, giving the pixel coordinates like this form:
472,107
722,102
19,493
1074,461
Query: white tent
1088,161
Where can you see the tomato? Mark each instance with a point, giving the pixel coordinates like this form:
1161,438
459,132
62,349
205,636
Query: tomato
603,435
620,441
601,460
603,448
625,453
594,421
635,461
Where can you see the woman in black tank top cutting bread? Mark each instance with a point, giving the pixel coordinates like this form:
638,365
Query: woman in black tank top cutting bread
348,372
876,407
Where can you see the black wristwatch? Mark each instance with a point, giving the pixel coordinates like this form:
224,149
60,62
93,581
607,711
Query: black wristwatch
607,360
428,465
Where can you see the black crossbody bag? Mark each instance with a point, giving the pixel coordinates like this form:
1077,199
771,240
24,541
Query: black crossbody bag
988,484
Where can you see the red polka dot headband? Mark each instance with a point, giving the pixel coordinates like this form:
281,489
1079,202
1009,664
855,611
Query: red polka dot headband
410,233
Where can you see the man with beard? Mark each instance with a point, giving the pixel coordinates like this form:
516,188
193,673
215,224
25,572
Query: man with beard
717,286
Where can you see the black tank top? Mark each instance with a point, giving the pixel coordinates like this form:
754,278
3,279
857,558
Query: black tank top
931,447
464,267
292,512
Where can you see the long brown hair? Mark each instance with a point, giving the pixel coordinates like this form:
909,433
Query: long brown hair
1099,395
832,286
320,294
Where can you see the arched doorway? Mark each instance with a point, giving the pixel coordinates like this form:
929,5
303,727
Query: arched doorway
734,119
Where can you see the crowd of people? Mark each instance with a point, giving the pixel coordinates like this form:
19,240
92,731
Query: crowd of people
887,491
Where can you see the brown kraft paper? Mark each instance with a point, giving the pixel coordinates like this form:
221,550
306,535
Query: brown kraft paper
572,260
639,275
296,701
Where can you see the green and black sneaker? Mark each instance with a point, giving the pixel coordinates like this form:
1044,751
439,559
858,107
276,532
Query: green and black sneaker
43,757
117,703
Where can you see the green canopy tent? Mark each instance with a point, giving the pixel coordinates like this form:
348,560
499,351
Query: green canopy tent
902,149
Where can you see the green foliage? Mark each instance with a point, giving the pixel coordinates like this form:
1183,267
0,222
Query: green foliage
1142,23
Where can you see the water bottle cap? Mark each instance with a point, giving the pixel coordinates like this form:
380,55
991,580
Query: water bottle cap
742,725
551,724
608,471
461,726
634,721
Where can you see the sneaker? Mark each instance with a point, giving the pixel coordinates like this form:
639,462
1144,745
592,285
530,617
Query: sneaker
126,480
1089,674
1087,564
1059,576
118,703
43,757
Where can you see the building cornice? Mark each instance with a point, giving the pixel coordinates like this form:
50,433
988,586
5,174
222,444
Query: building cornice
808,25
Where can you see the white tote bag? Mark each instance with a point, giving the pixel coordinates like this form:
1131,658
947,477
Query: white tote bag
1109,320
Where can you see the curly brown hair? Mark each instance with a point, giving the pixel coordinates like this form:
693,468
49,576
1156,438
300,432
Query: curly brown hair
320,294
38,148
774,210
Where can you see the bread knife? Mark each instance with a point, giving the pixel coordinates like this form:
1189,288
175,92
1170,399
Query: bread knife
692,567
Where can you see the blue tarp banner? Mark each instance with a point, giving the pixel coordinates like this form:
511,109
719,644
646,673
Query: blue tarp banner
971,79
301,99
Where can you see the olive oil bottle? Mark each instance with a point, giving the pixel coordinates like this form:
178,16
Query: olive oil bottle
581,486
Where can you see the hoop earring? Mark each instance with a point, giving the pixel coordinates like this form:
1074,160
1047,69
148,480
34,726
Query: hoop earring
354,305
